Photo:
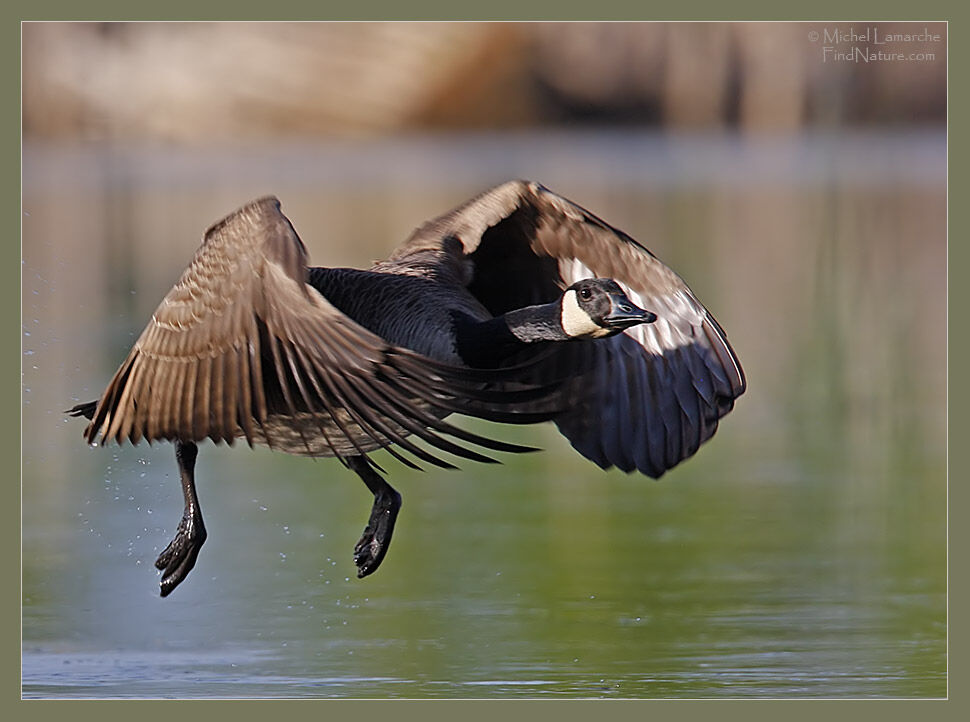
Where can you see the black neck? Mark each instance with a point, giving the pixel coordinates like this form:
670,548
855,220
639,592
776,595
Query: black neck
535,323
485,344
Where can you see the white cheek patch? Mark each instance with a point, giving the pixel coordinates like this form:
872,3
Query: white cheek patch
576,323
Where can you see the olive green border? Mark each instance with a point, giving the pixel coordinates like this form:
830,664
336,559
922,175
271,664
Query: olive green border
617,10
13,14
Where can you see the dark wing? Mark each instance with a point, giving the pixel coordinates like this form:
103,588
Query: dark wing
242,337
645,399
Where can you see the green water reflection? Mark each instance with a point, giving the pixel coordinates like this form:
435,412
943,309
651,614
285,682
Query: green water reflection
801,553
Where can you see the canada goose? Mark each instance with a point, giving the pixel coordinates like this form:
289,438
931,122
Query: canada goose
518,306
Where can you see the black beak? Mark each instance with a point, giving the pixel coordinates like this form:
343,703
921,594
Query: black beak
624,313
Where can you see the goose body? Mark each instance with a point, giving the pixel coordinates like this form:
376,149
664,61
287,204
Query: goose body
518,306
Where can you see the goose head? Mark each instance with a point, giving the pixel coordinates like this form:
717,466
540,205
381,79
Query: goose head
599,307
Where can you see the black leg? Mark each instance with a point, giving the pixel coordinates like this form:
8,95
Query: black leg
373,544
179,556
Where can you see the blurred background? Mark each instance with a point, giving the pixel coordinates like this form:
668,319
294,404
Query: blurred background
793,173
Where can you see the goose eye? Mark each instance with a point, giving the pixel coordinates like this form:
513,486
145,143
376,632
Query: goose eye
585,294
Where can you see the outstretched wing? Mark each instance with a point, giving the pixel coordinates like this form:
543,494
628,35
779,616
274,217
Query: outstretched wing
242,340
645,399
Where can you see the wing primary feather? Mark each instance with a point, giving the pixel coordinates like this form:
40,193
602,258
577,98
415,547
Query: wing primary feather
244,409
187,401
229,403
258,393
312,372
389,433
656,428
274,344
335,417
295,371
334,388
352,386
308,365
404,412
453,405
350,399
119,397
618,385
217,430
159,391
401,415
328,378
203,392
728,361
405,404
454,396
176,395
672,416
314,411
470,375
104,414
138,403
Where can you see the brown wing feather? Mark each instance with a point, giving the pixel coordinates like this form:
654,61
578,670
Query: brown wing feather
241,342
645,399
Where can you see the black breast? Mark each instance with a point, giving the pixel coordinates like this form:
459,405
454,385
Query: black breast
405,310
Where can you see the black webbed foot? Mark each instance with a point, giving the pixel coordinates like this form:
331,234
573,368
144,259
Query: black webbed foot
374,542
372,546
179,557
